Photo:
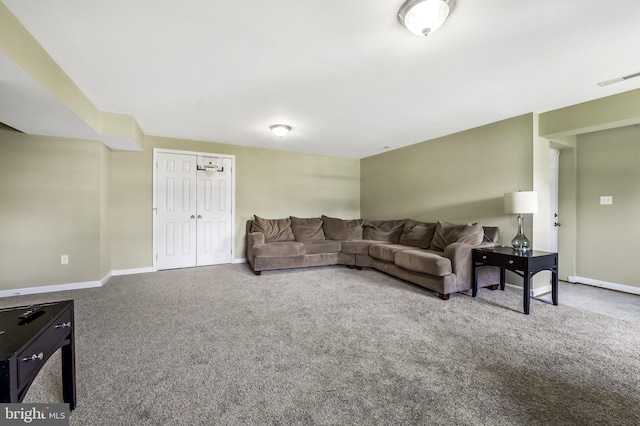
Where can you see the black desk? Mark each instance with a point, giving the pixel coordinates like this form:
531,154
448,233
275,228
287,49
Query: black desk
526,264
26,346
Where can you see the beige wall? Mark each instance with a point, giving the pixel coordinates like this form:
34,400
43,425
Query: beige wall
53,196
457,178
78,198
131,203
269,183
606,234
609,112
105,211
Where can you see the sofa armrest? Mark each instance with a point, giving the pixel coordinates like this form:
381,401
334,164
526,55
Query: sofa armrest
461,259
253,239
485,244
256,238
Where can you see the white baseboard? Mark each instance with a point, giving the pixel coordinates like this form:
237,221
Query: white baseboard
534,292
604,284
119,272
78,286
55,287
71,286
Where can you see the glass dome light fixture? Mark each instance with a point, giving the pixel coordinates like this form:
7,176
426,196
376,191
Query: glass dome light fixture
280,130
423,17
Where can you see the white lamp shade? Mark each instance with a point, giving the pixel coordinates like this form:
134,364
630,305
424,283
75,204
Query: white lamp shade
423,17
521,202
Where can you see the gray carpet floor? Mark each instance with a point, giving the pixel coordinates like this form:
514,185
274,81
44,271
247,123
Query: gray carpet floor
334,346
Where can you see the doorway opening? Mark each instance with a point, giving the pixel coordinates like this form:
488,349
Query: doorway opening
563,226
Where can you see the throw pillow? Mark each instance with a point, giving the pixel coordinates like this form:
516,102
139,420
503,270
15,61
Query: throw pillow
342,230
491,234
305,229
417,234
447,233
273,229
383,230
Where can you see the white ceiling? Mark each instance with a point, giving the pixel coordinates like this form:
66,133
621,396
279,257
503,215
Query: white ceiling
345,75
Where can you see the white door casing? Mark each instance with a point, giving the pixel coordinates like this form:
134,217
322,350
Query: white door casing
176,211
182,185
554,173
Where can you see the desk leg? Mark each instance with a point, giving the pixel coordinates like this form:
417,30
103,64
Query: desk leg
69,375
474,281
526,292
554,287
502,279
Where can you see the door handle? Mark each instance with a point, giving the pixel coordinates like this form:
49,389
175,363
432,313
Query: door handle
557,224
34,357
193,216
199,216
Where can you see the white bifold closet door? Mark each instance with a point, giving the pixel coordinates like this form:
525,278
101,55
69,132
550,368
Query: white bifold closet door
193,223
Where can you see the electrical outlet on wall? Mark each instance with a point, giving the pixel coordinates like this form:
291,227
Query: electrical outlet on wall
64,259
606,199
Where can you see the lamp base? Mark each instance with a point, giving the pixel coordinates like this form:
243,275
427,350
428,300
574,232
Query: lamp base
520,241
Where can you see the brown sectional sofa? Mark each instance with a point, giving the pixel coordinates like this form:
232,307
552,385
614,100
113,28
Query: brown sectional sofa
436,256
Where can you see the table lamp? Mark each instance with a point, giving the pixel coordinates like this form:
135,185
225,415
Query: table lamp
521,202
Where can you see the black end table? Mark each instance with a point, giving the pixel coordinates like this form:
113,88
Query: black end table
26,344
524,263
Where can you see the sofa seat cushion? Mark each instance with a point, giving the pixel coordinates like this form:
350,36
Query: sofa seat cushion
321,246
423,261
357,247
279,249
386,252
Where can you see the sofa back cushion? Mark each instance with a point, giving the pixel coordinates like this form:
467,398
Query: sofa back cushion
306,229
273,229
448,233
417,234
343,230
383,230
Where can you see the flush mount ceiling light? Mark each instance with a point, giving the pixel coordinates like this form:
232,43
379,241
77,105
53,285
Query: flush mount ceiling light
280,130
423,17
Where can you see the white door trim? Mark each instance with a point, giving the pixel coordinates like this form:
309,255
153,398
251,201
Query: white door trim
155,196
554,176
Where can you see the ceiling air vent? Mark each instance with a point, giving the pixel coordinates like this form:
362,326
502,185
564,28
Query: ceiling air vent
618,80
